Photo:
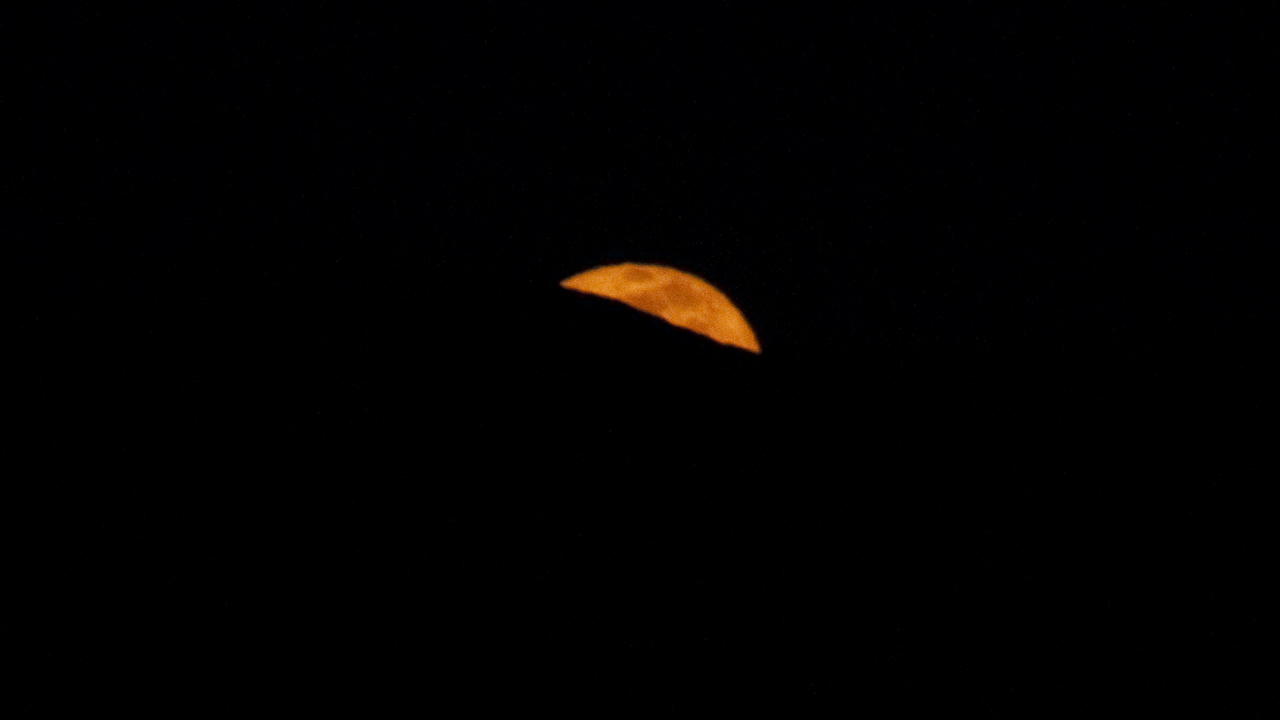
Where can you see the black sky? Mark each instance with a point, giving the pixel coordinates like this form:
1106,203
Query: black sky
288,290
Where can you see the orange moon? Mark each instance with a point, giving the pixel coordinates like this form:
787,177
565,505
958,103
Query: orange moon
682,299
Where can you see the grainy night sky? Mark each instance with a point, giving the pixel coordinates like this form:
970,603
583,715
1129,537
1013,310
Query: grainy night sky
317,417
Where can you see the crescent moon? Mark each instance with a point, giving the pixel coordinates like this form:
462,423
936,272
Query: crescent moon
680,298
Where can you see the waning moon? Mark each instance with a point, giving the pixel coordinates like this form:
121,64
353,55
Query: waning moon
682,299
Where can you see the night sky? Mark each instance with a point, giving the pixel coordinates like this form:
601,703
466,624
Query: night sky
314,422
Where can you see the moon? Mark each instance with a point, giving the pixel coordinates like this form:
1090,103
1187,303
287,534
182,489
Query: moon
680,298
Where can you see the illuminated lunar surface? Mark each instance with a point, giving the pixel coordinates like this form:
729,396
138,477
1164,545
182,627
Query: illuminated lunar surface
681,299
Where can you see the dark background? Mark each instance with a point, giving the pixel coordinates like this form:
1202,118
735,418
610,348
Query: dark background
312,422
